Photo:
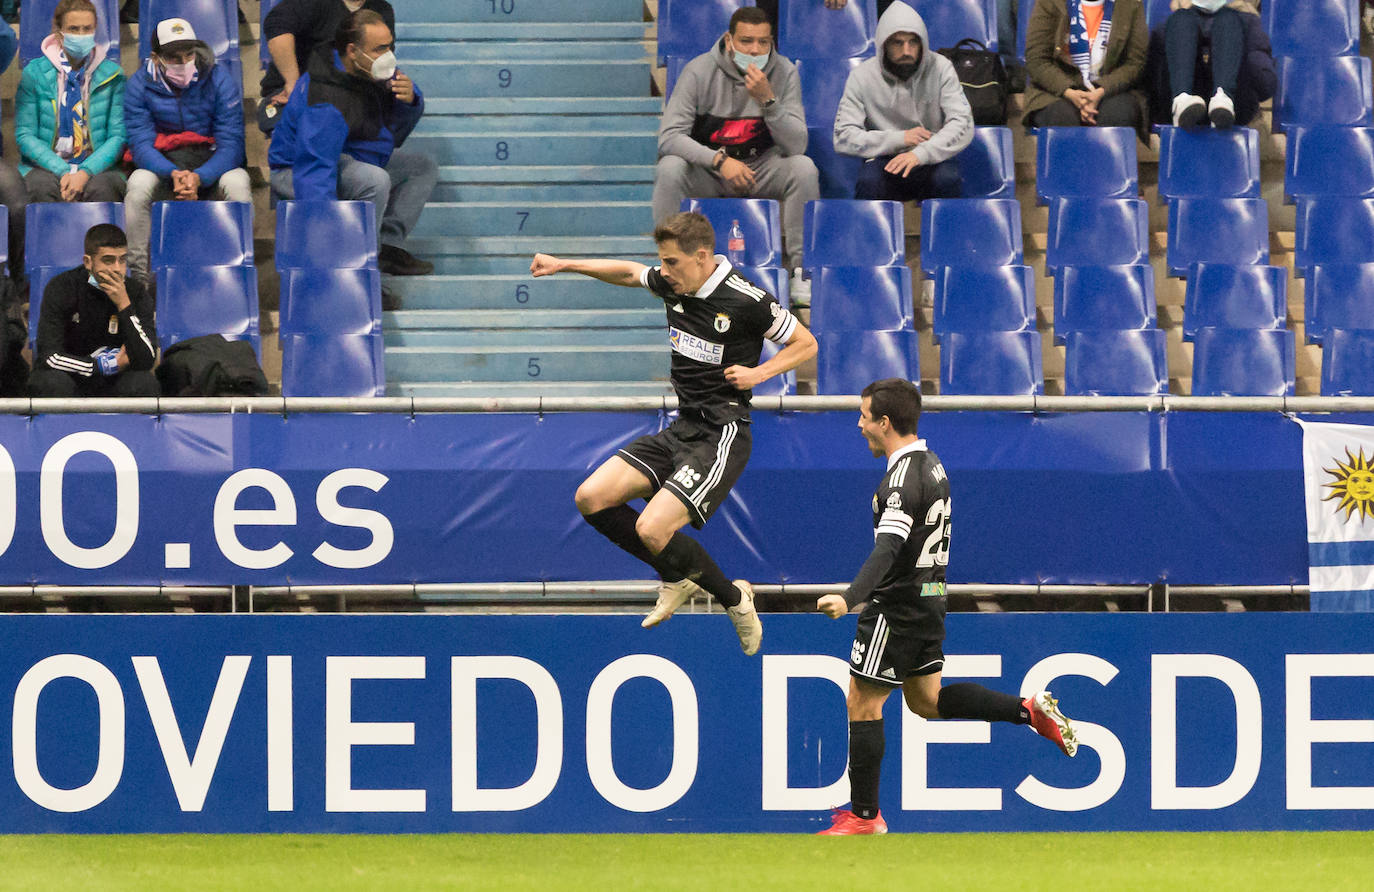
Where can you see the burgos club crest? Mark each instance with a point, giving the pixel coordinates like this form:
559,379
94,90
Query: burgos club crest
1354,485
722,322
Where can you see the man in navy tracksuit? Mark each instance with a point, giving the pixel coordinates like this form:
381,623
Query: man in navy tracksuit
339,132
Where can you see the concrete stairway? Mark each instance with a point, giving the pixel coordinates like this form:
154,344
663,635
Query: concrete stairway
541,120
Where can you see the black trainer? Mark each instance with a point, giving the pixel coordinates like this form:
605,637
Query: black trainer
391,301
397,261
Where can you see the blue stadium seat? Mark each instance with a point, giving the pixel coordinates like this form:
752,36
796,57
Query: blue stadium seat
201,300
215,22
689,27
1097,232
861,298
848,361
950,21
332,365
1156,12
778,385
1217,230
329,234
55,232
201,233
758,220
822,83
1091,298
1086,162
1108,362
1338,295
1333,230
39,276
264,56
1336,161
984,298
1023,15
331,301
35,24
970,232
1222,295
988,164
1323,90
775,280
4,237
1315,27
1209,163
1348,362
991,363
807,30
674,65
1243,362
854,233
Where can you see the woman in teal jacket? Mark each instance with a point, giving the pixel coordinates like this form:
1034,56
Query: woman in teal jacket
69,113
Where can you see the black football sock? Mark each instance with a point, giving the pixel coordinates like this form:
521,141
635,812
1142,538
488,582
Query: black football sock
865,766
684,558
967,700
618,525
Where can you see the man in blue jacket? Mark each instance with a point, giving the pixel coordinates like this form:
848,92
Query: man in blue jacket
184,116
339,132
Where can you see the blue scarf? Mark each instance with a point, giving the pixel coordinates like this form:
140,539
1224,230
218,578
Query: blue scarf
73,129
1080,48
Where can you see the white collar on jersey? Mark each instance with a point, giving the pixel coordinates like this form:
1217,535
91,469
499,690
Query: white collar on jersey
918,446
723,269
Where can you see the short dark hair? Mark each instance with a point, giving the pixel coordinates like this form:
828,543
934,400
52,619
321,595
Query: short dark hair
898,399
749,15
689,229
104,235
352,27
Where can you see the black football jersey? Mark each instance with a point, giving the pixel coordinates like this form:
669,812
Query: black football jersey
912,503
723,324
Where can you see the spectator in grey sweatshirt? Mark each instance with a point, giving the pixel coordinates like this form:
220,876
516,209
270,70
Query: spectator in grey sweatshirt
905,112
734,127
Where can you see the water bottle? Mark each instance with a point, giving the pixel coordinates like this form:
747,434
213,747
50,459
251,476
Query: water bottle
734,245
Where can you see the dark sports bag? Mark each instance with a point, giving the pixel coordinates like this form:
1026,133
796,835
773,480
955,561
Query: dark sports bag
211,365
983,78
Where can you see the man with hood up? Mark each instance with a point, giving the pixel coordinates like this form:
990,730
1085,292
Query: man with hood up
734,127
184,116
905,112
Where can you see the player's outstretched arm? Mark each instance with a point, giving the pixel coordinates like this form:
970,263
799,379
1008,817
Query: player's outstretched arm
798,349
614,272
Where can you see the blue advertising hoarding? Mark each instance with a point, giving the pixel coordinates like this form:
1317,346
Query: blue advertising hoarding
1188,498
591,724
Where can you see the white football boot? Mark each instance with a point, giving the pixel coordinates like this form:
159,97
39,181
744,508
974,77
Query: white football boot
746,619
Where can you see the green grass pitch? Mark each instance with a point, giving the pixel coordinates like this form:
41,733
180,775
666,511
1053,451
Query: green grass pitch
1064,862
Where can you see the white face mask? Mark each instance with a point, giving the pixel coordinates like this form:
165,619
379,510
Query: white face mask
383,67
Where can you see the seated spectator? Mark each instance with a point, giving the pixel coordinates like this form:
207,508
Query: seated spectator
340,132
1237,73
184,116
1086,63
69,113
734,127
906,113
294,30
95,327
12,193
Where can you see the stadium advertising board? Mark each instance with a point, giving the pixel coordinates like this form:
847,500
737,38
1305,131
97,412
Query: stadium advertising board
588,723
1188,498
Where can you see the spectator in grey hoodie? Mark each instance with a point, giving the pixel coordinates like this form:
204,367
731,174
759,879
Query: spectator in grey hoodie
734,127
905,112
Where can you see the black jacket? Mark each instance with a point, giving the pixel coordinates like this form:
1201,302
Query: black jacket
76,318
313,22
1257,83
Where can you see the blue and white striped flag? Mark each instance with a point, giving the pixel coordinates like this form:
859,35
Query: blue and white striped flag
1338,475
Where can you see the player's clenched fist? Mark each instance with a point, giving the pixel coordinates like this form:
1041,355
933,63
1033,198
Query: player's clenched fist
832,606
545,265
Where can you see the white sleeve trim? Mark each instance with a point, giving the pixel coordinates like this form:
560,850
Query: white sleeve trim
898,523
644,276
782,329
